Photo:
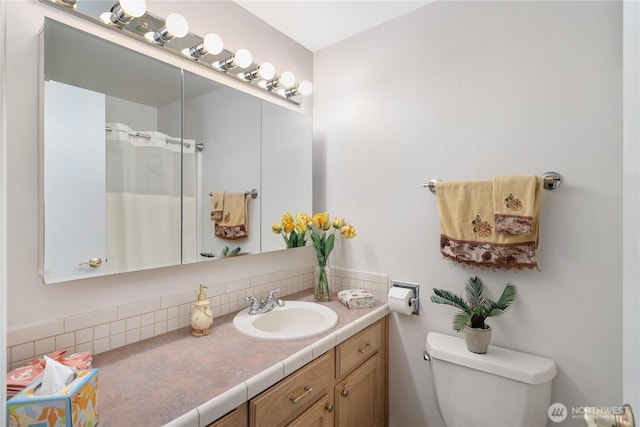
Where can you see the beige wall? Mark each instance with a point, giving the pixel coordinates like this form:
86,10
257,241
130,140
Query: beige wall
469,90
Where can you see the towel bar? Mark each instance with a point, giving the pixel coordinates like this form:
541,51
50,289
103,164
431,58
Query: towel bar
550,181
253,193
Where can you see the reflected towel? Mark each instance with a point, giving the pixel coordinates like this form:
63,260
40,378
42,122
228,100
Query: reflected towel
468,233
233,225
217,205
514,203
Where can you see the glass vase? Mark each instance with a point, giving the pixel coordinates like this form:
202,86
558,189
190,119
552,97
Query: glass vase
322,292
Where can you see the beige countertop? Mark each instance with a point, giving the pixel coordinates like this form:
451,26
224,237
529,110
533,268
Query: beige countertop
183,380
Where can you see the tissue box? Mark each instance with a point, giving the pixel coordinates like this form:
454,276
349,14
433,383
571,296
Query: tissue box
356,298
73,406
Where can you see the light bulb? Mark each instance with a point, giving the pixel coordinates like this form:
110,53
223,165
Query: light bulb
305,88
176,25
135,8
287,79
266,70
242,58
212,43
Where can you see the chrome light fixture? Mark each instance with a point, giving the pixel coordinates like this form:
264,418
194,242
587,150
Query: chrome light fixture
286,80
304,88
130,17
242,58
265,71
175,26
212,43
124,12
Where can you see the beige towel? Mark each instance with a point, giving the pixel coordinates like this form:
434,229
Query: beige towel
217,204
233,225
468,233
514,203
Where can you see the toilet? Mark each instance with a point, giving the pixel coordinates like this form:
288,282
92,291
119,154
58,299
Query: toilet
502,388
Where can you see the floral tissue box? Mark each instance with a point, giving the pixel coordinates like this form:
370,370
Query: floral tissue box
356,298
73,406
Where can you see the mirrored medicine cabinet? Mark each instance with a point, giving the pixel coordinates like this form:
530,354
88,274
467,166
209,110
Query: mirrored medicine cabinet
132,149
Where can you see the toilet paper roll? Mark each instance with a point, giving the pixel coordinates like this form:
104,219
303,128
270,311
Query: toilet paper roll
400,300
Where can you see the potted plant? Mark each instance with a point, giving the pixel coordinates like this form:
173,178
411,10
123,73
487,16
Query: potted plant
475,310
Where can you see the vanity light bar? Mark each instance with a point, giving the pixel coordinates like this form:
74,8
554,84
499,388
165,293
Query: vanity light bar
172,35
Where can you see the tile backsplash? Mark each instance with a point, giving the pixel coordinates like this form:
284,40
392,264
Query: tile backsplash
103,330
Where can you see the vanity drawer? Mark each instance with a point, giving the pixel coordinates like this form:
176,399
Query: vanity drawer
289,398
358,348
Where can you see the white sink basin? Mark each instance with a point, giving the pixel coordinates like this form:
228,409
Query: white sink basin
295,320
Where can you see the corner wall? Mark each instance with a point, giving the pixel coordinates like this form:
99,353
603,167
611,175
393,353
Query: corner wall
470,90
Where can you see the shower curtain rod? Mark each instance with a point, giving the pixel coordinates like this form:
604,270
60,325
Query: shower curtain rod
167,139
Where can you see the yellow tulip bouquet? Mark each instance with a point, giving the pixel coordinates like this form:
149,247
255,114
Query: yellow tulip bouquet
321,231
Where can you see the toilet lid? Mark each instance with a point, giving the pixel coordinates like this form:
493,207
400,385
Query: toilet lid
518,366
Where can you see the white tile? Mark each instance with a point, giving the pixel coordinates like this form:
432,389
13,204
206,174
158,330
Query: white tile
160,316
101,331
323,345
160,328
236,285
87,320
117,340
189,419
172,324
34,332
22,351
216,290
146,319
84,336
261,280
185,320
133,336
178,298
101,345
138,308
44,346
146,332
66,341
265,379
345,332
118,327
185,309
221,404
297,360
173,312
133,323
88,346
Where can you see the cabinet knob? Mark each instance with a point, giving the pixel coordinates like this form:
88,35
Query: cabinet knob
329,408
94,262
344,392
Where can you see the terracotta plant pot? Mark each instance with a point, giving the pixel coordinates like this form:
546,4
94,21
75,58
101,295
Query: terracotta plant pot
477,339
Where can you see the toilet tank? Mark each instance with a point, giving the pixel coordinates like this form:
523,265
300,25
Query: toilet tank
500,388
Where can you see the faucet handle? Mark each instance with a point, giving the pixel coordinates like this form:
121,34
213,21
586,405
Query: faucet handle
270,297
254,301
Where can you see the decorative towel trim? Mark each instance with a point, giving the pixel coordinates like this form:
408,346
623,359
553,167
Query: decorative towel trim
481,254
513,224
235,232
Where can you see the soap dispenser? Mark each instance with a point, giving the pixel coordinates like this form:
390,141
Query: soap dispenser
202,317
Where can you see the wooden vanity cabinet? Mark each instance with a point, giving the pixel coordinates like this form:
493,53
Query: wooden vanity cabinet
345,387
361,379
236,418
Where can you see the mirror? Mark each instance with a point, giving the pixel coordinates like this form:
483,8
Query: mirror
125,179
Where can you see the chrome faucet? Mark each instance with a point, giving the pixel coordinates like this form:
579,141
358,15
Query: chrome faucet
259,307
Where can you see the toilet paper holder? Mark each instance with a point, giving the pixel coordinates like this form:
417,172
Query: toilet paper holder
415,301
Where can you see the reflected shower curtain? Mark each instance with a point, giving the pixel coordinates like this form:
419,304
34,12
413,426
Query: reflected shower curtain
144,189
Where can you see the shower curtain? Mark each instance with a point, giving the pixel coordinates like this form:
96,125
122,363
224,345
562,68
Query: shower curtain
144,198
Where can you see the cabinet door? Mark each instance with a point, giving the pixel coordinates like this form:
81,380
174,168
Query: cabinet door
359,398
236,418
319,415
291,397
